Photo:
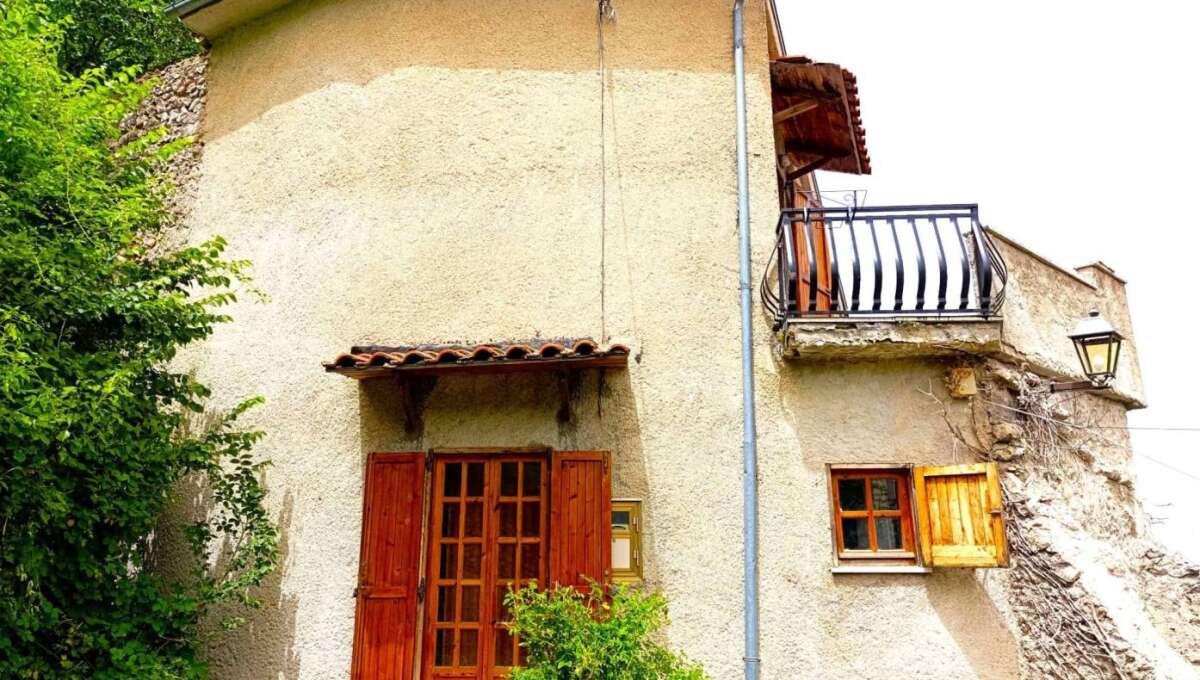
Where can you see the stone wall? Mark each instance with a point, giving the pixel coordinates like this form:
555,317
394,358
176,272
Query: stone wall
1093,594
176,105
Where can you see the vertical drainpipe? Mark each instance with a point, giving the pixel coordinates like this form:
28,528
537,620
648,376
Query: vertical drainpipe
750,438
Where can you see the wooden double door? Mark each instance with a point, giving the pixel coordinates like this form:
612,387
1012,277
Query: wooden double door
491,523
489,534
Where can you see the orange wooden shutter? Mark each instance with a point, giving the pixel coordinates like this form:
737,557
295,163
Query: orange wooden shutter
961,515
820,249
580,518
389,567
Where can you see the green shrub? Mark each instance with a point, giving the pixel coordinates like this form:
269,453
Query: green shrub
118,34
96,431
575,636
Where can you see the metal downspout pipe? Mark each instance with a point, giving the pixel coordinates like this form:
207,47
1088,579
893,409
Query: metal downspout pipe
750,437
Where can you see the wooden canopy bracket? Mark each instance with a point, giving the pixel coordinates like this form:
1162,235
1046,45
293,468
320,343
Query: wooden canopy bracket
414,394
568,394
795,110
807,168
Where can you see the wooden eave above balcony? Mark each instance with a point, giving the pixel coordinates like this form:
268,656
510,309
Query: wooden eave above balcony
818,121
373,361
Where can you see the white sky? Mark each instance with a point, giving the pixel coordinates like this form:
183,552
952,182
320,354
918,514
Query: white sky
1076,127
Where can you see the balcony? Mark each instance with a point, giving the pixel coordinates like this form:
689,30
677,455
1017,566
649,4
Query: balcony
848,264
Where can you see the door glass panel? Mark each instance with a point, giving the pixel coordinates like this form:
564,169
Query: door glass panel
883,494
508,479
852,494
530,552
887,533
508,520
531,483
468,647
448,561
504,648
855,534
472,560
473,526
531,519
502,613
452,479
445,605
507,563
450,520
443,649
470,603
475,479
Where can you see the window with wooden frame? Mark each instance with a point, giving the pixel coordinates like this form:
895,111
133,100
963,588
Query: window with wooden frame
905,518
627,541
872,513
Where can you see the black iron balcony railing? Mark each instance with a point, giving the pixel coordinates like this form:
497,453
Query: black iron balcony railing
932,261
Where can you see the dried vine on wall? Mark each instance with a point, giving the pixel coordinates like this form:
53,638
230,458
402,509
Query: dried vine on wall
1065,633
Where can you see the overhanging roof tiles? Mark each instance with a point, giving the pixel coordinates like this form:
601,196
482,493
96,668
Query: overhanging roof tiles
369,361
829,131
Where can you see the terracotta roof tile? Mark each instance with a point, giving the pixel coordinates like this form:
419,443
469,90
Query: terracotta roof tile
373,360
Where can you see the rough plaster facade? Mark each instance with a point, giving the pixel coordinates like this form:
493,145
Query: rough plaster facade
426,171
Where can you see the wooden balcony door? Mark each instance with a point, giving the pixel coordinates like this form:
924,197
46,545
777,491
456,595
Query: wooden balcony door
488,528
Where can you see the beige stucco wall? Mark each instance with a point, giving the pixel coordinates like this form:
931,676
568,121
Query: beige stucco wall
424,171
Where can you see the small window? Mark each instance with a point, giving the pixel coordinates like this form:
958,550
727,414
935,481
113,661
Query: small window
872,515
627,541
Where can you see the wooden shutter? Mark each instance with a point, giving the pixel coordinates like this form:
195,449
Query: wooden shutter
961,515
580,518
389,567
799,199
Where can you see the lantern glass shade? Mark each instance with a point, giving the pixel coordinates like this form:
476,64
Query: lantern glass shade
1098,345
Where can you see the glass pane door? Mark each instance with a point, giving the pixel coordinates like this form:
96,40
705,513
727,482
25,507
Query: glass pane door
487,534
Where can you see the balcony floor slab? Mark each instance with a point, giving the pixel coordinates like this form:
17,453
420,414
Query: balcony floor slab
838,339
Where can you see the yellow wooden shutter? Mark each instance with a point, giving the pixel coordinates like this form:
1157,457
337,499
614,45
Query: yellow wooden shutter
961,515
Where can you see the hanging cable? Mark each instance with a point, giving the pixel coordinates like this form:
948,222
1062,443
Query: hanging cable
604,12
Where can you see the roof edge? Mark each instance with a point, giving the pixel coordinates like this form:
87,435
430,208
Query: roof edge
185,8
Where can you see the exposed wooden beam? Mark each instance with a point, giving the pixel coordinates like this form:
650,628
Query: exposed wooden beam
807,168
795,110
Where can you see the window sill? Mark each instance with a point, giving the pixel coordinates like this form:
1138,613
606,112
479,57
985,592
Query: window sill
880,569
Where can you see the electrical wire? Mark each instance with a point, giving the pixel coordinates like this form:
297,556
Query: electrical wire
1094,427
1148,457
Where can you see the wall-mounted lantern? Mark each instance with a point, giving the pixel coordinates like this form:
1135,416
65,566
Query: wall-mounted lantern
1098,345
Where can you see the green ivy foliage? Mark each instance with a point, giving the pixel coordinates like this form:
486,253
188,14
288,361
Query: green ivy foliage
117,34
587,636
96,430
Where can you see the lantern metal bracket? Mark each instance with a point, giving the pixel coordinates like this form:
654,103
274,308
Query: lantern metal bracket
1077,385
